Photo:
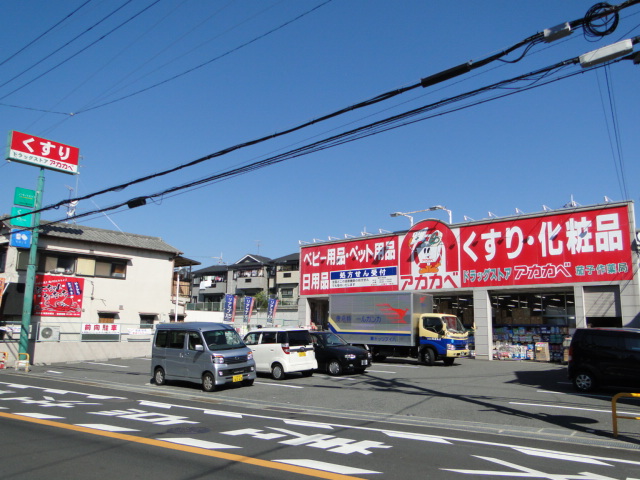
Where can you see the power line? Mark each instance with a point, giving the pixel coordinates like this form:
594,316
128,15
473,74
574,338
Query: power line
534,79
44,33
428,81
203,64
79,51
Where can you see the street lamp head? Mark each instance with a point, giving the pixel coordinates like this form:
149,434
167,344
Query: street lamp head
395,214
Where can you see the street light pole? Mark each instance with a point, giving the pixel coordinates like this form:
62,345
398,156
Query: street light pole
435,207
400,214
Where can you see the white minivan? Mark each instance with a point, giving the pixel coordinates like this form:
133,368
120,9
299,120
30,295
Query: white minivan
209,353
279,351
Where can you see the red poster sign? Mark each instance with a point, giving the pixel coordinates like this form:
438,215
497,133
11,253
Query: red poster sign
45,153
57,296
590,245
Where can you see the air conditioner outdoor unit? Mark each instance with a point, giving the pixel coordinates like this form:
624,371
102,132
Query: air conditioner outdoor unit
49,334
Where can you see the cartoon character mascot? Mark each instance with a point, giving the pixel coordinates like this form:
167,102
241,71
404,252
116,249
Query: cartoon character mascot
427,248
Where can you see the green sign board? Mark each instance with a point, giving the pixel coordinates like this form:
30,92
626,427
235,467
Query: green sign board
21,221
24,197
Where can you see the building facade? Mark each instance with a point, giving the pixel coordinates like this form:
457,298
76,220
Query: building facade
514,281
252,274
97,293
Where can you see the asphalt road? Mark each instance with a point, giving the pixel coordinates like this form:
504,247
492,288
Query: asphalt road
513,398
71,422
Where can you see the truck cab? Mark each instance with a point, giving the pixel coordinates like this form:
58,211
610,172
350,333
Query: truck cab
442,336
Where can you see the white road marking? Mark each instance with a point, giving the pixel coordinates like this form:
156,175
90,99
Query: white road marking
572,408
42,416
192,442
278,385
379,371
107,364
221,413
309,424
417,436
560,456
327,467
106,428
53,371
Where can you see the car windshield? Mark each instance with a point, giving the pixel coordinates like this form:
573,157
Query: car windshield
333,340
222,339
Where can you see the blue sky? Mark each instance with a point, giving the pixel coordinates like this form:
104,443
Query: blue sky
265,66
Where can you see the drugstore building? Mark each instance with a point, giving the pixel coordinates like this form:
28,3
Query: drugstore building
515,280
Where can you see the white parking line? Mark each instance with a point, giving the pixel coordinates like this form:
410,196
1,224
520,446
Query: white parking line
278,385
107,364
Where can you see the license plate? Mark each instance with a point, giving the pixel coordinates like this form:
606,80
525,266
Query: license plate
237,378
364,362
302,354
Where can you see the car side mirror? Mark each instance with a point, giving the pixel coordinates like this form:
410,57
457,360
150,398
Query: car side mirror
199,348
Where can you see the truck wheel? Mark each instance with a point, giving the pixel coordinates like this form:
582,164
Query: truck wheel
428,357
208,382
277,372
334,368
448,361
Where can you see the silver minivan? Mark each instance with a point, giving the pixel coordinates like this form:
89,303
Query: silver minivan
209,353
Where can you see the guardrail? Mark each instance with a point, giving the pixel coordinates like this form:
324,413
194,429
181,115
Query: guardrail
614,410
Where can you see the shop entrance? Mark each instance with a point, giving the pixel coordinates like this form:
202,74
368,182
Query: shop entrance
525,324
319,313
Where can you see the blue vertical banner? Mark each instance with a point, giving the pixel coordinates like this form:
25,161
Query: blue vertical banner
271,310
229,307
249,302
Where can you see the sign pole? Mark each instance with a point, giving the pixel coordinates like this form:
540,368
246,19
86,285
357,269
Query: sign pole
31,268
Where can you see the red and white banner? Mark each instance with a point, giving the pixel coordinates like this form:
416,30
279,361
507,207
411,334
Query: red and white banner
57,296
590,245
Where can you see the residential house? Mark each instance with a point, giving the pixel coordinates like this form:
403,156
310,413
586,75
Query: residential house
97,292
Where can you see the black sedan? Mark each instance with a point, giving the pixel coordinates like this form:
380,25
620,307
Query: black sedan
336,356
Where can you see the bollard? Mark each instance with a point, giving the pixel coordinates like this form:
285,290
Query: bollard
614,413
22,363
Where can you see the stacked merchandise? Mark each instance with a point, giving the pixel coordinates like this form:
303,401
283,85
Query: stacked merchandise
514,342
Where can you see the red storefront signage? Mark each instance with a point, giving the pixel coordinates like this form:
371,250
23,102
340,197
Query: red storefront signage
591,245
45,153
57,296
363,265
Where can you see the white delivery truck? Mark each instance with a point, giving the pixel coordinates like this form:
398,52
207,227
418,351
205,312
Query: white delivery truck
398,324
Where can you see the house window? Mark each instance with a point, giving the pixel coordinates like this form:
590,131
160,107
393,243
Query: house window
3,259
147,320
287,292
286,275
55,263
107,317
110,268
86,266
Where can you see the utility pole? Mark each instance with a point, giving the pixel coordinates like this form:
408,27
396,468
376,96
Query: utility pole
31,269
